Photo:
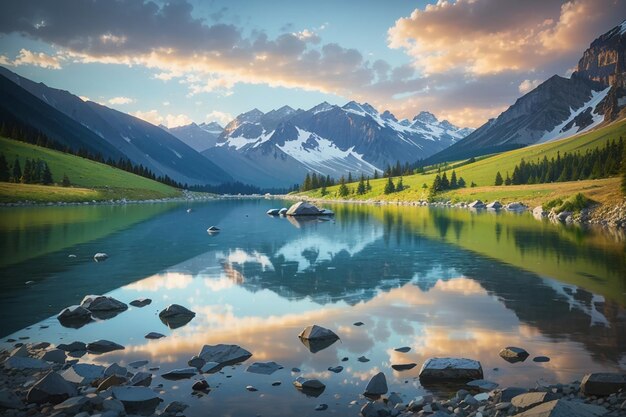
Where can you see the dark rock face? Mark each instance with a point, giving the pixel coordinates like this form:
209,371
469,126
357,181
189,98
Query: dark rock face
605,60
603,383
51,388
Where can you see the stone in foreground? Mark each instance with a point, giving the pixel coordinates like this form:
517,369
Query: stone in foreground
449,369
513,354
377,385
20,362
175,316
494,205
482,384
302,208
476,204
74,316
141,379
602,384
83,373
563,408
103,346
264,368
310,387
317,338
102,303
224,354
8,399
137,400
182,373
52,388
530,399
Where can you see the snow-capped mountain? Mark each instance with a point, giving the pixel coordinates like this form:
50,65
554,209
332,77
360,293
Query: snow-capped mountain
559,107
278,148
199,136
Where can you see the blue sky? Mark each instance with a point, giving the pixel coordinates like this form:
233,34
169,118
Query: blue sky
175,62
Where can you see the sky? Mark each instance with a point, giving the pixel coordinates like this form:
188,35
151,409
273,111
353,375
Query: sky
173,62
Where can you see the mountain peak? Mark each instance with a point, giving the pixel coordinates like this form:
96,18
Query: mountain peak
322,107
387,115
425,117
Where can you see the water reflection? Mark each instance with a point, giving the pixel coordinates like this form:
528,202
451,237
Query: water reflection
443,282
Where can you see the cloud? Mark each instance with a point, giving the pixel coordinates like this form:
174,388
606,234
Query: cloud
38,59
222,118
527,85
121,100
150,116
174,120
169,120
468,57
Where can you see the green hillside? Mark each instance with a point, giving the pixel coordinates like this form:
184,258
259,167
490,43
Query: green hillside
90,180
483,172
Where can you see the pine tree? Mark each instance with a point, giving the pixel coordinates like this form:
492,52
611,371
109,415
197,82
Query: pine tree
462,183
46,176
323,191
445,184
343,189
389,187
306,186
436,184
368,187
27,174
499,179
4,169
453,181
400,185
360,189
66,181
375,174
17,171
507,181
473,184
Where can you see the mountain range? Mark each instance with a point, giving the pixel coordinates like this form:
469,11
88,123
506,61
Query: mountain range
279,147
559,107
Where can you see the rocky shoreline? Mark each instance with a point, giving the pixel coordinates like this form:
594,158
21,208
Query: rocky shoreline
607,216
39,379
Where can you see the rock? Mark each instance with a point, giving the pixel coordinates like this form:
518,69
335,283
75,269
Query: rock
196,362
310,387
182,373
302,208
100,257
201,385
562,216
435,369
189,210
335,369
83,373
507,394
141,379
20,362
72,347
541,359
375,409
358,323
115,369
54,355
113,405
251,388
52,388
321,407
273,212
103,346
602,384
20,352
403,349
482,384
264,368
563,408
530,399
141,302
8,399
316,332
403,366
477,204
495,205
210,367
95,303
282,211
175,316
363,359
71,406
154,335
516,206
539,213
213,229
137,400
513,354
224,354
394,399
112,381
74,316
175,407
138,364
377,385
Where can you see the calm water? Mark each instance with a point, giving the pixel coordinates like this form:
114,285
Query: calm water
444,282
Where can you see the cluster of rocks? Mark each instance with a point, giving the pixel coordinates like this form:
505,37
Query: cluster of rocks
301,208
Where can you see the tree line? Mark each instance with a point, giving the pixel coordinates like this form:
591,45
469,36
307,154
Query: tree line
442,183
35,171
598,163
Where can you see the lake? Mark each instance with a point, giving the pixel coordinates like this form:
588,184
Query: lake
444,282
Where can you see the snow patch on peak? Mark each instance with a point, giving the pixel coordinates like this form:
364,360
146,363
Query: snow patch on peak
425,117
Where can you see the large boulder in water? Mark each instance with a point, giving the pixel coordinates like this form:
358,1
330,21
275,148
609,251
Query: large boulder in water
309,387
603,383
317,338
137,400
74,316
102,303
52,388
377,385
450,369
175,316
564,408
103,346
302,208
513,354
224,354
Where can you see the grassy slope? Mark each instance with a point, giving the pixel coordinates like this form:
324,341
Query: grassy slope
91,180
483,173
